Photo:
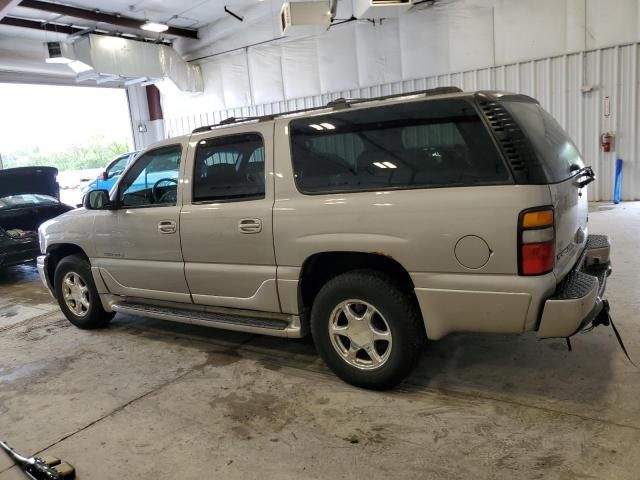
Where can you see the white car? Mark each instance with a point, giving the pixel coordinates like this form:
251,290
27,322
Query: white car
373,224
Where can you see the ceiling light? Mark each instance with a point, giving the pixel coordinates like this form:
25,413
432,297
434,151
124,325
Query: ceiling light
379,164
389,165
316,127
328,126
154,27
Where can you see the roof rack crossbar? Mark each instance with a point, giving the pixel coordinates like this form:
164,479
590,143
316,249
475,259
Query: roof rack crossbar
337,104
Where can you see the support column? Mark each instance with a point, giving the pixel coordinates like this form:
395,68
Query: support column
146,115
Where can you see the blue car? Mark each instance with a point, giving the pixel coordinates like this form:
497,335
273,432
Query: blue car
111,173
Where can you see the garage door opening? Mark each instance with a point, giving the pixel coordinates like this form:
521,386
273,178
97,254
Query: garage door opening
78,130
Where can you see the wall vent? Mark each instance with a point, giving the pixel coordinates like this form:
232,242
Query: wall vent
376,9
304,18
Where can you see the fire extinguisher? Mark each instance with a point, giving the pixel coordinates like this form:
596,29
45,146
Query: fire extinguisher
606,141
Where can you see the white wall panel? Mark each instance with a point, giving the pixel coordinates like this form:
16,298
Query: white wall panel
300,68
378,52
557,83
470,33
338,66
265,67
539,49
611,22
424,44
576,11
529,29
235,79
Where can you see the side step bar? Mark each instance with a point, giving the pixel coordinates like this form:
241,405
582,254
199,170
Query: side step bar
238,323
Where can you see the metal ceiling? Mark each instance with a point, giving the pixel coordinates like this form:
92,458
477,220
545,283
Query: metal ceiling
118,17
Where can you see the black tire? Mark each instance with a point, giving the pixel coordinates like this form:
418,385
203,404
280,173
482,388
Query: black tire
399,310
94,316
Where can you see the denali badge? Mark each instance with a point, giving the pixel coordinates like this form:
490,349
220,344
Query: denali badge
568,249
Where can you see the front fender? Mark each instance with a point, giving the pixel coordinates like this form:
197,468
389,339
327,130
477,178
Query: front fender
73,228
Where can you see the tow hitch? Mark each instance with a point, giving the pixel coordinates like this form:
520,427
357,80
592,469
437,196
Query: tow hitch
604,318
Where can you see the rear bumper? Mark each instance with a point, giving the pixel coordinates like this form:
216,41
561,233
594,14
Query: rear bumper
579,298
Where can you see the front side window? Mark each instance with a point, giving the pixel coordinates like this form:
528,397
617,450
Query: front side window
420,144
153,179
229,168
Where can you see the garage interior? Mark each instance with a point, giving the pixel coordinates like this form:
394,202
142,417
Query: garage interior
146,397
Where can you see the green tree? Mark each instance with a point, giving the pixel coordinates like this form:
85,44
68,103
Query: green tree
95,153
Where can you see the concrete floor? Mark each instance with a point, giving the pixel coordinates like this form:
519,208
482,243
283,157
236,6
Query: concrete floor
152,399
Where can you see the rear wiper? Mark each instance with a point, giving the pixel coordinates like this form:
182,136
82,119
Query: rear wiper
585,174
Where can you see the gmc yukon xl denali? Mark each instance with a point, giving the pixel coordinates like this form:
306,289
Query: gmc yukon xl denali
371,224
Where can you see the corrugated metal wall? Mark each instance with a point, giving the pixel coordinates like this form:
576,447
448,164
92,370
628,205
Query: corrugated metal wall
572,87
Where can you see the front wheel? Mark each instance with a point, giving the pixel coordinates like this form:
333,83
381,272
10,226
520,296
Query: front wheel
367,329
77,294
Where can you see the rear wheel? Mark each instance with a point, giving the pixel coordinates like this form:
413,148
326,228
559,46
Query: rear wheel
77,294
367,329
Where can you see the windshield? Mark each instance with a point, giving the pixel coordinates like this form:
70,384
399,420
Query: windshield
117,167
556,152
26,200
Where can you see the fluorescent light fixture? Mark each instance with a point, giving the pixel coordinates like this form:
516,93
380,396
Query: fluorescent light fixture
154,27
328,126
390,165
316,127
379,165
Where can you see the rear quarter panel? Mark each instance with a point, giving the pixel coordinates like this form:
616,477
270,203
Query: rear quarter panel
571,215
419,228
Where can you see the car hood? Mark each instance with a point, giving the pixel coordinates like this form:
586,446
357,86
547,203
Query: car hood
23,180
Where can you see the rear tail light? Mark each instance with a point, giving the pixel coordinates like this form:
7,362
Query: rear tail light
536,239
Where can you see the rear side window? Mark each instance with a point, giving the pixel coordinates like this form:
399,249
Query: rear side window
557,154
422,144
229,168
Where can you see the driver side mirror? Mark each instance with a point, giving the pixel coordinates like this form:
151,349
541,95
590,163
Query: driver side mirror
97,200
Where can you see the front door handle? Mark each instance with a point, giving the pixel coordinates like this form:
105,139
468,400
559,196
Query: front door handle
250,225
167,226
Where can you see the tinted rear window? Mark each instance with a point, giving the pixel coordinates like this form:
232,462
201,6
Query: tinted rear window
421,144
558,155
229,168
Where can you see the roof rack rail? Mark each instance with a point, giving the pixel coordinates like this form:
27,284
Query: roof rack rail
231,121
337,104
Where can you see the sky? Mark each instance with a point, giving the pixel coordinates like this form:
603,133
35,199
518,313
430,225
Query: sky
55,117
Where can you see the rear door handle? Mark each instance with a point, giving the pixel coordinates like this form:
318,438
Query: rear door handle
167,226
250,225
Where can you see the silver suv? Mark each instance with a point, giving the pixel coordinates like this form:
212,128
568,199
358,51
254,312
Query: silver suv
372,224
